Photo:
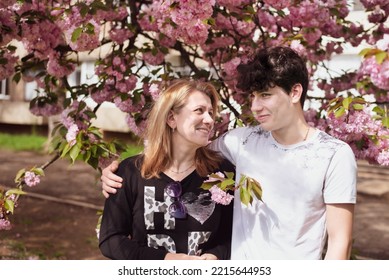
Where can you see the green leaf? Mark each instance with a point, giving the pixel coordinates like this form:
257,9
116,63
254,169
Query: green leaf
94,162
9,205
378,110
39,171
385,122
364,52
74,152
340,112
380,57
87,156
257,189
206,186
245,196
76,34
230,175
65,150
19,175
17,77
15,191
3,60
247,18
226,183
90,29
346,102
358,107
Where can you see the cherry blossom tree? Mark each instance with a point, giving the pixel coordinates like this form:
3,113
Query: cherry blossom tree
136,41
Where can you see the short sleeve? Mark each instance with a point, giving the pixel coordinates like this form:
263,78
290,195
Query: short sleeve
341,177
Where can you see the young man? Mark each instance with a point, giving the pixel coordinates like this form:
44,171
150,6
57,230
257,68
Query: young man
308,178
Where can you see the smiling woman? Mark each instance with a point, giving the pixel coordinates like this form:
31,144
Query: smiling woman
161,212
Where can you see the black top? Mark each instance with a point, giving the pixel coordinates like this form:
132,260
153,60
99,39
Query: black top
136,223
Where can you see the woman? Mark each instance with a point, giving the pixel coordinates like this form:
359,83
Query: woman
161,212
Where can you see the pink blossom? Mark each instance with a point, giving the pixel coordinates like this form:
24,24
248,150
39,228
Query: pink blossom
5,224
153,59
7,69
71,135
154,91
214,179
312,36
230,66
41,37
137,129
31,179
89,37
379,73
119,36
6,3
59,67
151,89
278,4
105,94
220,196
383,158
7,26
298,47
46,109
217,43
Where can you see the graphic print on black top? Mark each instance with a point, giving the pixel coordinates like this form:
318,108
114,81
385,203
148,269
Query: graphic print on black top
200,207
136,224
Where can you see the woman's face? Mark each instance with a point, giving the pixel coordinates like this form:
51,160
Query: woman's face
194,123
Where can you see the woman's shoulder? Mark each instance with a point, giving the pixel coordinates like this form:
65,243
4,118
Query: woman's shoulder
226,165
131,163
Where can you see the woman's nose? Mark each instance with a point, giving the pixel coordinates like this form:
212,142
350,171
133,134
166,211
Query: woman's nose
208,118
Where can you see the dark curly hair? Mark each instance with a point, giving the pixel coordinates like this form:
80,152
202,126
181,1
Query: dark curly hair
276,66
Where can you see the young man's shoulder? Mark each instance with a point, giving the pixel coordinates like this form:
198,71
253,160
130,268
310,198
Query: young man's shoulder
246,130
334,144
326,138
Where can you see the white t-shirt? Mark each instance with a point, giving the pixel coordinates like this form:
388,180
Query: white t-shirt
297,182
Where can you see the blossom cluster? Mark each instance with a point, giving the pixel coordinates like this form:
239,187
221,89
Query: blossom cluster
219,190
7,66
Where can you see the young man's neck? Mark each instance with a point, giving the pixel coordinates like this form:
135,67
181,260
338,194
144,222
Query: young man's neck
293,134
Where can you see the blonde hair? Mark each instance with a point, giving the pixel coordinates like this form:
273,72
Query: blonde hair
158,151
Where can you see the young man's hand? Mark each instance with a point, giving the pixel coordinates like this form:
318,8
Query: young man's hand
110,181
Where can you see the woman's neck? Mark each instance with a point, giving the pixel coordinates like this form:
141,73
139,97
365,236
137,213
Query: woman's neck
182,165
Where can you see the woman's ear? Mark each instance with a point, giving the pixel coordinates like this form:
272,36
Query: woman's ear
171,121
296,92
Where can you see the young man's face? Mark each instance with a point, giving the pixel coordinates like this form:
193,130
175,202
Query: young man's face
272,108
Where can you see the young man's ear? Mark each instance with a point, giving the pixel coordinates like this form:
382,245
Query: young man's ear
296,92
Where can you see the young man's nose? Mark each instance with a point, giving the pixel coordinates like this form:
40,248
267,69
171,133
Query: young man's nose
256,105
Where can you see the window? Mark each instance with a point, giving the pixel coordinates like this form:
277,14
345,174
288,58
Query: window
4,90
356,5
31,91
